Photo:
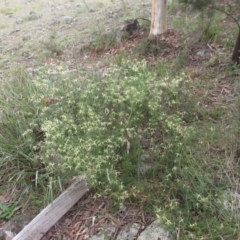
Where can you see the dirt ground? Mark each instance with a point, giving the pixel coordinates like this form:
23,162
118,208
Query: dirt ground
12,11
26,24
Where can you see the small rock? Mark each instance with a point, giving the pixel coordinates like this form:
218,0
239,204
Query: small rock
129,232
9,235
67,19
204,53
19,21
105,234
145,157
201,53
146,164
55,22
109,231
99,236
155,232
231,201
110,14
32,16
14,31
6,235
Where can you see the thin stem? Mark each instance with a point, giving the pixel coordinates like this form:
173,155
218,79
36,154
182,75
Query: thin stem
228,14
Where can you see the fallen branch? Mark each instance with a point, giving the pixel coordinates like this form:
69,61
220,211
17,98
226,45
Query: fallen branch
38,227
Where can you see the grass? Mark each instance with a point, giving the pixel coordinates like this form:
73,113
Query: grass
82,11
2,26
159,131
100,4
8,11
52,45
7,212
103,41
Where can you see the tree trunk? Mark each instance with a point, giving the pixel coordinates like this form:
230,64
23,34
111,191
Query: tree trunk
236,50
159,17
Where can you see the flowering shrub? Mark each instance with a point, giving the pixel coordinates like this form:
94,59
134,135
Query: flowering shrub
101,126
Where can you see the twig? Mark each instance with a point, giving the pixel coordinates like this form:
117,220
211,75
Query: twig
143,19
87,6
209,46
228,14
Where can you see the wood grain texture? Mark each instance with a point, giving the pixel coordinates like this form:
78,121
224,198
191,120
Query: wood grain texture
36,229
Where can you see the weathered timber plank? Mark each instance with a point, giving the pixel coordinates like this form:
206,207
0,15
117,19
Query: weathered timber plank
36,229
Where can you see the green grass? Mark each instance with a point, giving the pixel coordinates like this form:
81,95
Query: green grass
6,211
103,41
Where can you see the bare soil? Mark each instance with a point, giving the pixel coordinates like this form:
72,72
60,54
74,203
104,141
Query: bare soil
71,24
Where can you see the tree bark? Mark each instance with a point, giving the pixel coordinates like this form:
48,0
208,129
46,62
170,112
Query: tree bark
236,50
159,17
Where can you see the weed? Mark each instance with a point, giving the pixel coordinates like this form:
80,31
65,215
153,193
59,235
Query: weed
210,28
103,41
119,58
150,46
7,211
117,129
20,165
52,45
86,31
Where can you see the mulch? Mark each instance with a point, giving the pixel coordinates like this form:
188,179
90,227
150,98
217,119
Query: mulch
91,215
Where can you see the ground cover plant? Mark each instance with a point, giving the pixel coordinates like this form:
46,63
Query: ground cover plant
160,132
